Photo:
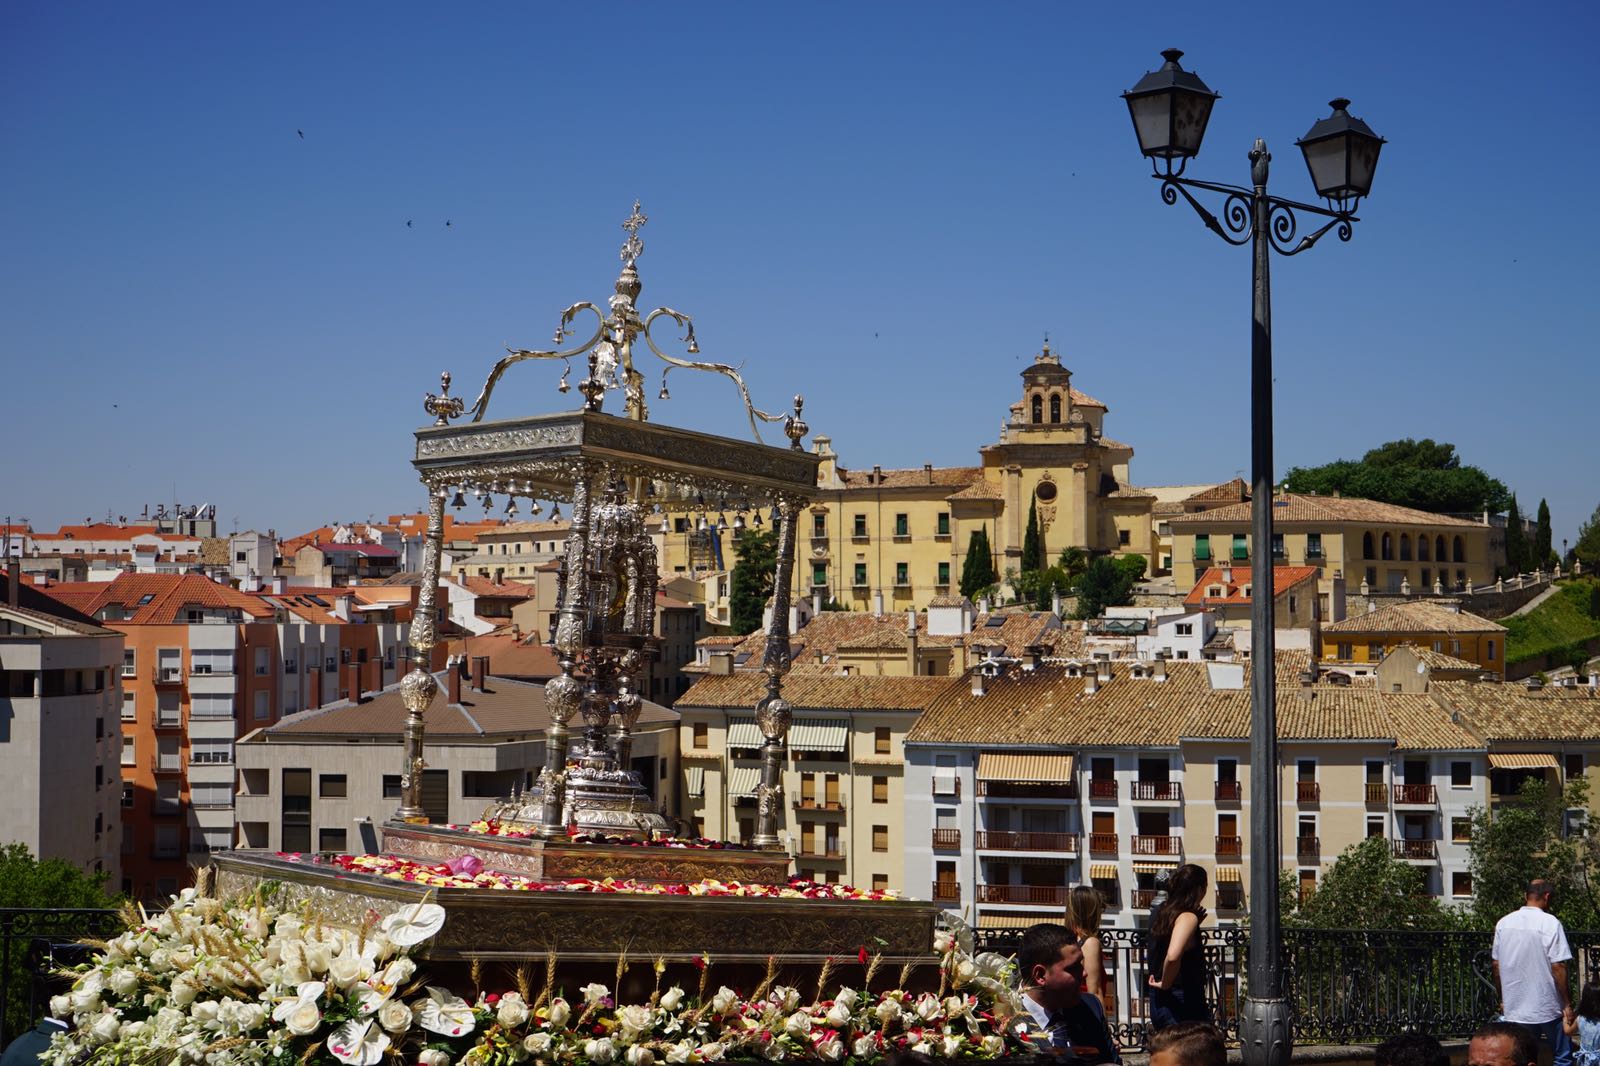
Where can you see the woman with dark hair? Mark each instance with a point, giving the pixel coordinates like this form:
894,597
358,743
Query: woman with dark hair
1177,966
1085,908
1583,1025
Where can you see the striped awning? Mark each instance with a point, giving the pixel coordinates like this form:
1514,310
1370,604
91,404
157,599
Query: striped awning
1103,871
742,781
1227,875
1017,766
817,734
1154,867
1007,921
744,733
697,779
1523,760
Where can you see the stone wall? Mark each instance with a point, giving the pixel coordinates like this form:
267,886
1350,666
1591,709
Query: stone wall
1485,601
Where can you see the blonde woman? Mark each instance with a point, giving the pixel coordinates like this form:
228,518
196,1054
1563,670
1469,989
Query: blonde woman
1085,906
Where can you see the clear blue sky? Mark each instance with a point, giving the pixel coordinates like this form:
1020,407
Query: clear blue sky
883,206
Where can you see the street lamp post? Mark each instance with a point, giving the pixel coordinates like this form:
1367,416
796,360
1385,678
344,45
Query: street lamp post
1170,108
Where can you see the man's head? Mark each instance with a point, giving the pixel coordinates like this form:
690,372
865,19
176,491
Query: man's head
1052,964
1503,1044
1189,1044
1411,1049
1538,893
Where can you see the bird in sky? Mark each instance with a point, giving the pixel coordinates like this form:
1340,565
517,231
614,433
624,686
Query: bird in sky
302,134
408,223
447,223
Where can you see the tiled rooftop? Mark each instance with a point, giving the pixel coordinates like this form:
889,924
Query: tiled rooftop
1414,616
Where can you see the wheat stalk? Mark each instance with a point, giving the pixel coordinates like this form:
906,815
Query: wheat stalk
822,979
872,969
705,979
523,977
476,973
766,982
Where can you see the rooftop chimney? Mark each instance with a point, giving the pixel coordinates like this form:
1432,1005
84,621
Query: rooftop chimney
877,603
1159,670
720,663
280,584
480,672
452,675
980,681
927,471
816,604
341,607
1091,684
352,681
1102,669
911,621
314,688
13,579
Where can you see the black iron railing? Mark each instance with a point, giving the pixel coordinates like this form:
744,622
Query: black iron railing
1346,986
22,995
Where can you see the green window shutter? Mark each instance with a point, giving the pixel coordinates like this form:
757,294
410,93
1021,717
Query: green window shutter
1202,546
1241,549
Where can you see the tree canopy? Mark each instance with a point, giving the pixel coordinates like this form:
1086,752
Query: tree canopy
977,573
1032,549
1517,547
1106,583
752,579
1587,546
1423,474
1543,556
48,884
1368,888
1528,837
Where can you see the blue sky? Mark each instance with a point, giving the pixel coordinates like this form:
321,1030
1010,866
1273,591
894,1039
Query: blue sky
882,206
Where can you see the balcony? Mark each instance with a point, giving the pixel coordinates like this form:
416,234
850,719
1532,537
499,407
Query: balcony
1056,790
1416,850
1416,796
210,758
1041,895
1103,790
1008,841
1230,849
1229,792
169,675
1141,898
828,849
1152,845
1102,844
1307,847
1155,792
1377,793
949,839
166,764
1307,792
811,803
946,891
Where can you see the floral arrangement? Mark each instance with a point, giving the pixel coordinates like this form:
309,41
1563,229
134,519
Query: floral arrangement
469,871
495,828
260,981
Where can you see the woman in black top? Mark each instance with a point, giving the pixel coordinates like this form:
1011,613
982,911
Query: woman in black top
1173,957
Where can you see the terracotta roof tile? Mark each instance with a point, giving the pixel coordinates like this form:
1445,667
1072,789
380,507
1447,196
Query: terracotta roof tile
1414,616
1083,399
1284,578
980,489
897,479
169,595
1512,712
522,656
818,692
1294,507
1228,492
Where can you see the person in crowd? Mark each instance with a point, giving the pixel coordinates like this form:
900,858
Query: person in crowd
1173,955
1530,966
1052,990
1583,1025
1085,906
1189,1044
1503,1044
44,960
1411,1049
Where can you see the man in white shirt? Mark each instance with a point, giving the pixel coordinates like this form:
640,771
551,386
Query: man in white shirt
1530,966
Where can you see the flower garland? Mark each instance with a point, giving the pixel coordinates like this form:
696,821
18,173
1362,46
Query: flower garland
495,828
261,982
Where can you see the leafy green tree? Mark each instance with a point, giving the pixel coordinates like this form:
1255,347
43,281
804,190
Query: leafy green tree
1517,549
977,572
1032,551
1050,582
752,579
1074,561
1368,888
48,884
1423,474
1104,584
1587,548
1528,837
1133,566
1543,556
1594,601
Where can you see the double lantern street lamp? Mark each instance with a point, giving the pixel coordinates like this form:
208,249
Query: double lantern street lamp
1170,109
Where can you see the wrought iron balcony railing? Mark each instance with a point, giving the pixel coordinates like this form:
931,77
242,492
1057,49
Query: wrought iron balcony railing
1416,795
1155,790
1229,792
1416,849
947,838
946,890
1004,841
1103,790
1043,895
1308,847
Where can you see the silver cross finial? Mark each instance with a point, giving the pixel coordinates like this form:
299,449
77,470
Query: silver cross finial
633,247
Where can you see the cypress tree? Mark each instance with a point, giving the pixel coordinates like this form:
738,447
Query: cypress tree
1516,539
1542,555
1032,552
977,572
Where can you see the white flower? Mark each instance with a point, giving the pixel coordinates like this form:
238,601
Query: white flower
787,998
773,1050
131,1030
345,970
106,1027
672,998
798,1024
639,1055
679,1053
887,1010
445,1013
952,1045
161,960
713,1051
61,1007
512,1011
593,993
956,1006
993,1045
124,981
559,1012
724,1000
434,1058
848,997
601,1050
318,957
397,973
927,1006
838,1015
394,1016
963,972
537,1043
250,1016
923,1047
831,1048
943,941
411,925
358,1043
305,992
635,1021
205,1012
304,1019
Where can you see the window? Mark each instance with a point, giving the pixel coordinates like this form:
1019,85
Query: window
210,794
166,797
1461,830
1375,825
944,573
296,810
1202,545
263,706
1293,603
1313,545
332,840
1488,650
859,527
942,528
1460,883
1277,546
1241,546
880,838
1346,652
880,790
1371,577
130,667
218,750
1460,774
127,751
1405,547
861,575
819,574
332,786
702,735
290,665
1305,770
880,882
99,776
902,574
128,711
819,525
902,525
1038,409
1573,764
1374,651
880,740
168,708
391,786
1184,629
127,794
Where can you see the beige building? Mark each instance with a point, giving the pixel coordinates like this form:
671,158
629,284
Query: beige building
60,741
843,780
515,551
306,781
886,540
1389,548
1226,593
1358,643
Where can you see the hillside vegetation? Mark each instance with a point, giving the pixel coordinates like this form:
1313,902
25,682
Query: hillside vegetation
1560,625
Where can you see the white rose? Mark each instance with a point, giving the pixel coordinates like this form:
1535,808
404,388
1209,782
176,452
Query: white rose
61,1007
679,1053
838,1015
639,1055
798,1024
537,1044
724,1000
787,998
952,1046
672,998
773,1051
205,1012
964,972
512,1011
318,957
927,1006
848,997
124,981
398,972
183,992
831,1048
863,1048
559,1012
181,959
593,993
345,970
635,1020
434,1058
250,1016
84,1000
887,1011
943,941
601,1050
993,1045
131,1030
304,1019
161,960
106,1027
956,1006
394,1016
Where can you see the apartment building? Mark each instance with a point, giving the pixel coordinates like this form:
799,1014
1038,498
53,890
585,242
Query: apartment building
59,745
1025,780
514,551
307,781
844,776
1359,643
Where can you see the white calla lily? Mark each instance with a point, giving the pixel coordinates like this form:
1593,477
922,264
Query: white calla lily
306,994
445,1013
410,926
358,1043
